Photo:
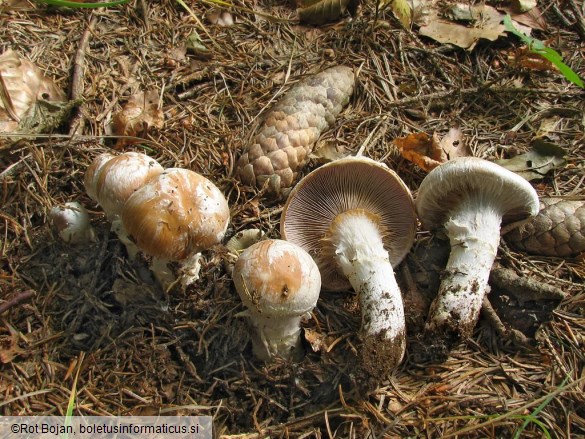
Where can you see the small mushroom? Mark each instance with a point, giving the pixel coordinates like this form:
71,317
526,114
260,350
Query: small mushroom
356,218
470,199
279,283
71,221
174,217
110,180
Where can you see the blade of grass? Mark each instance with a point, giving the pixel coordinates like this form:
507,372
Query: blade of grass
536,411
539,48
69,4
72,396
514,413
201,25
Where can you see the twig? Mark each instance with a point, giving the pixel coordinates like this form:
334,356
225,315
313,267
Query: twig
20,297
489,313
524,288
76,92
580,20
469,91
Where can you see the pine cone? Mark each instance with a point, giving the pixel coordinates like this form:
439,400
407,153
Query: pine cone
291,128
557,230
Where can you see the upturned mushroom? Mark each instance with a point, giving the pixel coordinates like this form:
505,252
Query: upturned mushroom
110,180
356,218
174,217
279,283
72,224
469,199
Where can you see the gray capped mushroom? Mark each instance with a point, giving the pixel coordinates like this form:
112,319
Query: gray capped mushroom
356,218
279,283
469,199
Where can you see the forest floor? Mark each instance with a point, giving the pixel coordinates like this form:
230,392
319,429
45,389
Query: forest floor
87,310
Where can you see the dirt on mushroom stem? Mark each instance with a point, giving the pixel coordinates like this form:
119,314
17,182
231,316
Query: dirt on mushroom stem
474,234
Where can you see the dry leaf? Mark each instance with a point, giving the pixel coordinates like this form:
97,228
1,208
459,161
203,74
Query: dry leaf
523,5
9,346
533,18
421,149
536,163
221,18
454,144
328,151
486,23
22,84
140,113
401,10
429,152
315,339
322,11
525,58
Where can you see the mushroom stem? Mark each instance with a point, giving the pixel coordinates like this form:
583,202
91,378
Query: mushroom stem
276,337
360,253
124,237
474,234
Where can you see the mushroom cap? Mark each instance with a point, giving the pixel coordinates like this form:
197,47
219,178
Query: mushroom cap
177,214
110,180
348,184
277,278
71,220
455,181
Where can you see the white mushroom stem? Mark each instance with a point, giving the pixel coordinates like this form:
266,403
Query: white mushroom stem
361,255
474,233
188,271
124,237
275,336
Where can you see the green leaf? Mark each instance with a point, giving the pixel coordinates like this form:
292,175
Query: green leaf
69,4
536,163
538,47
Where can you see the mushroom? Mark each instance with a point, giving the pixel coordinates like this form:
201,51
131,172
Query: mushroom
110,180
356,218
279,283
174,217
71,221
469,199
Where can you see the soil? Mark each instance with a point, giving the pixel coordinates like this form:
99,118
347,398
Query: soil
141,351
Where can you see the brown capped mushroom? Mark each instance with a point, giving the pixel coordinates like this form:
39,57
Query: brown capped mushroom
110,180
356,218
279,283
174,217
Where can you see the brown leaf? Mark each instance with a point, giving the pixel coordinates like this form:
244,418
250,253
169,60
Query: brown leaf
525,58
532,18
454,144
429,152
9,346
322,11
140,113
421,149
221,18
22,84
329,151
486,23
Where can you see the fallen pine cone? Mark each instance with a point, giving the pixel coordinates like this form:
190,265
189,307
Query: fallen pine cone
558,229
292,127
